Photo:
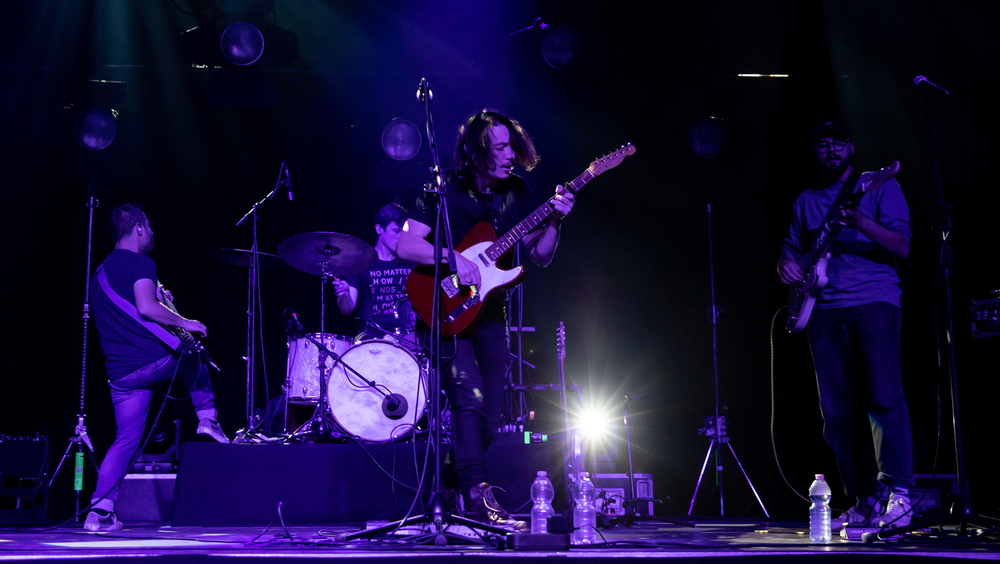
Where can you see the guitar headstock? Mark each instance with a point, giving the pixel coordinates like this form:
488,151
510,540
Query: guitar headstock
611,160
875,181
561,340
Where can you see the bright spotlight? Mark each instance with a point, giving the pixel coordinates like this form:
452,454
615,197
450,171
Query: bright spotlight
595,424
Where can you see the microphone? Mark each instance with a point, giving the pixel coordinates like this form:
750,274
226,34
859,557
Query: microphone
292,323
424,90
286,179
921,78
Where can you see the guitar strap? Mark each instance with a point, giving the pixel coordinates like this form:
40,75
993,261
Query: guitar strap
156,329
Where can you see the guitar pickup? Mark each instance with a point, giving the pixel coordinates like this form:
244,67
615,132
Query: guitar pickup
450,285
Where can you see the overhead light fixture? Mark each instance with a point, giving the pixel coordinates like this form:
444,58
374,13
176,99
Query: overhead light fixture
401,139
707,137
242,43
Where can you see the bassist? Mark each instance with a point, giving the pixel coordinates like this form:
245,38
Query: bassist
854,331
482,187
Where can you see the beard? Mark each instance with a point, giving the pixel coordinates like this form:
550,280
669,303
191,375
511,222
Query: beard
833,167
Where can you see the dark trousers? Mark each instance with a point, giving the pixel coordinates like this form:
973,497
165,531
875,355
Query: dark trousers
856,352
474,382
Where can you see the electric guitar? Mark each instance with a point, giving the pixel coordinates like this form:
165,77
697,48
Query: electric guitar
460,304
802,295
189,344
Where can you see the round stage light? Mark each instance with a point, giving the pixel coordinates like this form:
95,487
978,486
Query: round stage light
401,139
562,47
95,129
707,137
242,44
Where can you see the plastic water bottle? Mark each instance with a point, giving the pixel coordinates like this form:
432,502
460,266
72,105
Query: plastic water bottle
542,494
819,511
584,514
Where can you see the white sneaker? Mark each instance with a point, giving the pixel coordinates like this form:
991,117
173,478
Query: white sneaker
101,520
898,512
212,429
862,515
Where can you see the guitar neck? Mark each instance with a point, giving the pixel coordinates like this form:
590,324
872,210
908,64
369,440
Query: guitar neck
534,219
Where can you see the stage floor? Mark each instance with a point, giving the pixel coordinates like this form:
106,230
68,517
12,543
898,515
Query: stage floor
707,539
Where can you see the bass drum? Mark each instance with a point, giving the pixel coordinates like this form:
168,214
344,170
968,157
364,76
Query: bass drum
302,378
364,412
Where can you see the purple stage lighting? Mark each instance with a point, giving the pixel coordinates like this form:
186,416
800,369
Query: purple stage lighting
95,129
401,139
242,43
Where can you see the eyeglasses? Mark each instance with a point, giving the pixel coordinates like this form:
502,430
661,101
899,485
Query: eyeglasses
835,144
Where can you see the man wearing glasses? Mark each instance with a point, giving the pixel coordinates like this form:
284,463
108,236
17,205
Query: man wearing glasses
854,331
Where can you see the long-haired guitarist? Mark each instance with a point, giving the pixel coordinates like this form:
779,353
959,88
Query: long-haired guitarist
854,328
125,286
482,187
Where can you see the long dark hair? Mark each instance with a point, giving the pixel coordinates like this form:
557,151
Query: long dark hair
472,151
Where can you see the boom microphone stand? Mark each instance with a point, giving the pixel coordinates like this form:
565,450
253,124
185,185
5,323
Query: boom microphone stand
248,432
436,514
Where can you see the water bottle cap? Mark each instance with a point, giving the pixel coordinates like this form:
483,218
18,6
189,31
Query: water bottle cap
543,473
819,476
585,474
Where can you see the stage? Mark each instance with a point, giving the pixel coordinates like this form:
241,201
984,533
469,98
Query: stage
706,540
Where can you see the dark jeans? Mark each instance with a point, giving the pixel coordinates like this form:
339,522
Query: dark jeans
856,352
474,382
130,396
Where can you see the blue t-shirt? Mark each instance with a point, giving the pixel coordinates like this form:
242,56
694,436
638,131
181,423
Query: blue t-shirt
860,272
127,345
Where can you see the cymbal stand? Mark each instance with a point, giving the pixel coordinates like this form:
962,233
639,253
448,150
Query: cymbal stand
249,432
80,437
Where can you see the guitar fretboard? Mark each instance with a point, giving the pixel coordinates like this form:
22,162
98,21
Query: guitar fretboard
534,219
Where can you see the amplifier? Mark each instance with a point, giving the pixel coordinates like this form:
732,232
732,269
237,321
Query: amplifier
24,480
985,316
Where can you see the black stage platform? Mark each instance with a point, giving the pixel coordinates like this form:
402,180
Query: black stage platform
708,540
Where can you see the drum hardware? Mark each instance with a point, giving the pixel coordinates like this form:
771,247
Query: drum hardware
325,254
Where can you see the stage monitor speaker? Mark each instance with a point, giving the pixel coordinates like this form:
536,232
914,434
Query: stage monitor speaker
317,484
146,497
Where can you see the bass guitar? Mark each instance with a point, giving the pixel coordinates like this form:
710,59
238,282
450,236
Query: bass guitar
460,304
802,295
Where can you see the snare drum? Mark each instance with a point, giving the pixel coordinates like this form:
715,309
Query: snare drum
364,412
302,378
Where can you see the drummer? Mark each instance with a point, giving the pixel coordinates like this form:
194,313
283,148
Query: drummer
375,294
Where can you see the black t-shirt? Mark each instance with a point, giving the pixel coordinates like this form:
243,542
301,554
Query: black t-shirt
380,288
510,202
127,345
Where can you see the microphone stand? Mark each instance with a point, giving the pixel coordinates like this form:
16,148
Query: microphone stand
249,432
436,514
963,511
715,427
80,437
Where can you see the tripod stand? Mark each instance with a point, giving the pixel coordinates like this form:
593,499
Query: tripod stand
715,427
80,437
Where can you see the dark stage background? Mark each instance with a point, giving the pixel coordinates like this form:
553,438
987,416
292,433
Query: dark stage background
631,279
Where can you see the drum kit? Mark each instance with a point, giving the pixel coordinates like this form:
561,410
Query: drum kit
373,386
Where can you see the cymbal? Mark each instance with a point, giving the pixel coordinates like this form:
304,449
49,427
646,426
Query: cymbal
241,257
334,253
